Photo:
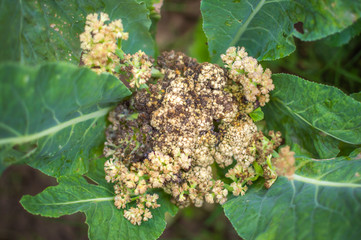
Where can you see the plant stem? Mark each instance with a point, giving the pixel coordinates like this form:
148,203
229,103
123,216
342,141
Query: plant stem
156,73
228,187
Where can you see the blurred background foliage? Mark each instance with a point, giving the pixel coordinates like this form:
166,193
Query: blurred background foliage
322,63
179,28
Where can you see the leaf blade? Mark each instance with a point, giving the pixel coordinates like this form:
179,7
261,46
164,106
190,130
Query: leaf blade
44,30
74,194
266,27
315,116
341,38
242,23
44,122
312,206
323,18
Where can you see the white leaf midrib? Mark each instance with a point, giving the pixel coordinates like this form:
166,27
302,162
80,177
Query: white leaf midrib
104,199
243,28
324,183
54,129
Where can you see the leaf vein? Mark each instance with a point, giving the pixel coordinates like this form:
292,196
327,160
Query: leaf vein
54,129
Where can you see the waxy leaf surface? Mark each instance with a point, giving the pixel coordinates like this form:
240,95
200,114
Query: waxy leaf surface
322,18
53,115
262,27
342,38
74,194
47,30
315,116
323,201
266,27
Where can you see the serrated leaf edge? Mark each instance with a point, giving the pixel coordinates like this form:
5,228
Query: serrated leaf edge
303,119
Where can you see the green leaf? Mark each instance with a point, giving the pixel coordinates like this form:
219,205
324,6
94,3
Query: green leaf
53,115
74,194
303,138
136,21
342,38
262,27
322,202
315,116
266,27
323,18
96,172
153,7
47,30
257,115
199,48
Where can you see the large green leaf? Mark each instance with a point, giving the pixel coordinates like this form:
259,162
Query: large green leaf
322,202
313,115
96,171
47,30
299,134
341,38
153,7
136,21
266,27
199,49
74,194
323,18
53,115
262,27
